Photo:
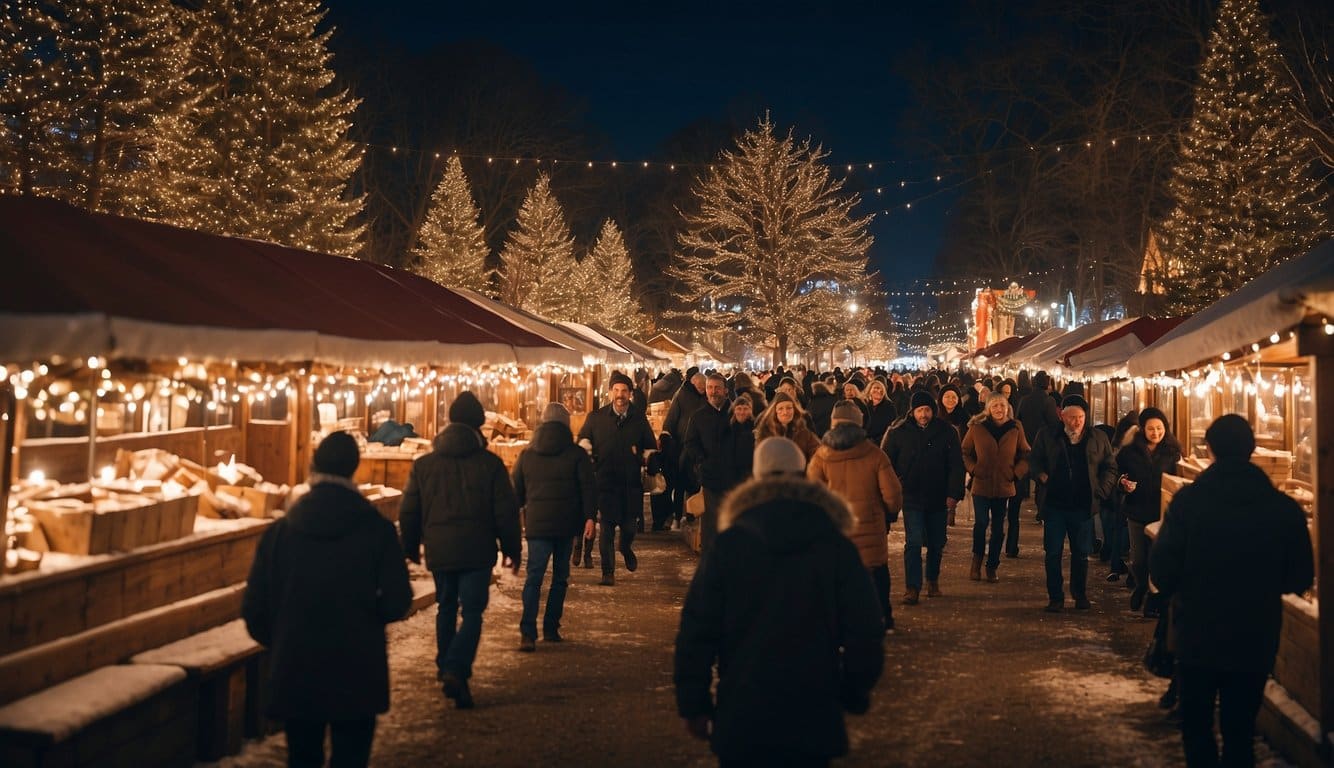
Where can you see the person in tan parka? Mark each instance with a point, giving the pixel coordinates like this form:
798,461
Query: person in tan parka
856,469
995,452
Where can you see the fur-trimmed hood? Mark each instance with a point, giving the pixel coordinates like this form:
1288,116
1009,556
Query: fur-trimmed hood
792,522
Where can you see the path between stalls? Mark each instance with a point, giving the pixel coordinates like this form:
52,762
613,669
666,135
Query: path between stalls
980,676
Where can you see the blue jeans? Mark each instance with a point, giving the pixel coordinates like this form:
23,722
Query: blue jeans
1012,514
1057,526
539,552
984,508
455,643
922,526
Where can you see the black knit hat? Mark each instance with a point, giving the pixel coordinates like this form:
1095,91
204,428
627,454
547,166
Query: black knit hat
920,398
1152,413
1076,400
1041,380
1230,437
467,409
337,454
619,378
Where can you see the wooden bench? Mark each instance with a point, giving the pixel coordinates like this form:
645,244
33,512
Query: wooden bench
226,665
119,715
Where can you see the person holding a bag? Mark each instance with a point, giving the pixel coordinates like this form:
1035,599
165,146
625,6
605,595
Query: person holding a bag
704,454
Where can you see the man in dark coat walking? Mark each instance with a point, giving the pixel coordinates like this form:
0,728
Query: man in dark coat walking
459,502
1037,411
325,580
1076,471
785,679
553,484
705,456
687,400
620,440
927,458
1231,545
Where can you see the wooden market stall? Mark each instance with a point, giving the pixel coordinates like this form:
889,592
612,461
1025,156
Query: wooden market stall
136,355
1101,365
1266,352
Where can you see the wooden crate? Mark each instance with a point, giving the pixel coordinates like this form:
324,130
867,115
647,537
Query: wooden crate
77,528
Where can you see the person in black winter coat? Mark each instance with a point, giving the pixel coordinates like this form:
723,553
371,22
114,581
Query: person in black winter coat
325,581
880,411
1037,411
687,400
620,440
784,609
822,404
553,484
460,504
1231,545
926,455
1075,470
1152,453
705,455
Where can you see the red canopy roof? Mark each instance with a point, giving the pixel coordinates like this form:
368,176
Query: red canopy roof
1005,346
1147,329
80,283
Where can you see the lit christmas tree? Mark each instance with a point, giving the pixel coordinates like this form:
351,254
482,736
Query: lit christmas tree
1245,200
608,281
772,239
125,62
269,156
537,267
451,248
30,71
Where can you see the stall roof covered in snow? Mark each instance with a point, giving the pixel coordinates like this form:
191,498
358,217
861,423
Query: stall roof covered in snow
1045,357
639,349
1105,357
593,353
1271,303
79,284
1003,347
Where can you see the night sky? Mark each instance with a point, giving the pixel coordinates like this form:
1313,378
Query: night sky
645,72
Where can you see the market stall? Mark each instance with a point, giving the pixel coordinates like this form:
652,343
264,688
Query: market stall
1101,364
1266,352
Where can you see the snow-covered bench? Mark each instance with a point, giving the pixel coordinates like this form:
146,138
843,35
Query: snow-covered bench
227,665
139,714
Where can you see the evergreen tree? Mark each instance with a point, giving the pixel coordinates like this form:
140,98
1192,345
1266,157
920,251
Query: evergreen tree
451,248
1244,197
124,63
772,239
538,271
608,282
269,156
30,75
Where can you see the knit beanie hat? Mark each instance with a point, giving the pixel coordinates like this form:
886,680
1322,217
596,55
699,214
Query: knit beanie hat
556,412
467,409
847,411
1152,413
778,456
337,454
1075,400
1230,437
920,398
619,378
1041,380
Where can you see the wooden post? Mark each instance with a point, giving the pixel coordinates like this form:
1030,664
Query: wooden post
241,414
301,426
18,430
93,401
1312,340
8,462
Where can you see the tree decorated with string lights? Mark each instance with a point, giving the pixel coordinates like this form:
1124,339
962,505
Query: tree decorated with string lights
451,247
773,237
608,280
1245,200
30,71
269,156
123,99
538,271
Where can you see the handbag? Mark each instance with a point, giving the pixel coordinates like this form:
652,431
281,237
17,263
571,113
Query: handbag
695,504
1157,658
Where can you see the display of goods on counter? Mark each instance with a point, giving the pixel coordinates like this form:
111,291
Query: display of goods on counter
508,450
382,497
500,426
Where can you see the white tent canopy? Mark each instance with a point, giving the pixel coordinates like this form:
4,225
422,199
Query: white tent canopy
1271,303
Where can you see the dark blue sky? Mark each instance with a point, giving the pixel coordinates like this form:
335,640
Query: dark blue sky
830,72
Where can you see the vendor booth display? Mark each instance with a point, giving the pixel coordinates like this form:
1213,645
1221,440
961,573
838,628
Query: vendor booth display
1266,352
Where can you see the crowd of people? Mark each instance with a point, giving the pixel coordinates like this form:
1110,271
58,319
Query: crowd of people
796,479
